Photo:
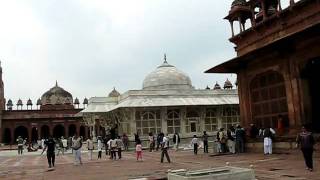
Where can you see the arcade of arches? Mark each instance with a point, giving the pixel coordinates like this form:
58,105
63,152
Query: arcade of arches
39,131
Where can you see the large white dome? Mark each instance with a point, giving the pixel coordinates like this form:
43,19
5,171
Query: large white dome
167,76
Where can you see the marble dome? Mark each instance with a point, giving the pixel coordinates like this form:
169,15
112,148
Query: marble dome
167,76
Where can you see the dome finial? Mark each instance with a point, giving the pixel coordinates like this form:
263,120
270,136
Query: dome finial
165,58
56,83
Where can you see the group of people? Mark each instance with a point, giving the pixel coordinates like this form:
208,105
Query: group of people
232,141
162,143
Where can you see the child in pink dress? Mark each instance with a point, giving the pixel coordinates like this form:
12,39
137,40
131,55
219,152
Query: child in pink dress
139,150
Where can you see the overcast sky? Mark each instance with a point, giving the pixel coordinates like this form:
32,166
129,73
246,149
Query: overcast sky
91,46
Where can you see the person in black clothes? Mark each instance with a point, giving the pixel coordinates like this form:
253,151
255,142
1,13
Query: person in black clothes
50,147
306,142
205,142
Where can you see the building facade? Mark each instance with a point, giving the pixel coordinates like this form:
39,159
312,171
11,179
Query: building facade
55,114
167,103
277,63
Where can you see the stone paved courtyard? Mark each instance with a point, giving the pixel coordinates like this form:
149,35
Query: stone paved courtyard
33,166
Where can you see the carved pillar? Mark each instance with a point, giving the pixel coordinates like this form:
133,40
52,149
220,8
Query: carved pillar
133,124
264,10
183,112
232,30
163,117
240,26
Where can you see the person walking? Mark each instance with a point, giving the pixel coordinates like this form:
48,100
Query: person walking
268,134
20,145
306,142
151,142
114,147
240,135
222,140
99,147
205,142
176,141
59,147
49,145
165,147
76,146
139,149
90,147
125,141
231,134
194,143
106,145
64,144
159,141
119,146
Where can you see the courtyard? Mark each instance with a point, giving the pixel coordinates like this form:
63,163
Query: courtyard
286,165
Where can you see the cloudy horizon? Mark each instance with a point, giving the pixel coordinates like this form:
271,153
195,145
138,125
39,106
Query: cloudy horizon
89,47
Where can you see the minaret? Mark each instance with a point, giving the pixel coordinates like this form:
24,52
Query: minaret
2,100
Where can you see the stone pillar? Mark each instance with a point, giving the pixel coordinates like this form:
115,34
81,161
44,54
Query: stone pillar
163,117
133,125
219,116
183,112
202,118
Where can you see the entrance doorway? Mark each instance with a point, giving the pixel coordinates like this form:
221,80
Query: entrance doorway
21,131
58,131
312,74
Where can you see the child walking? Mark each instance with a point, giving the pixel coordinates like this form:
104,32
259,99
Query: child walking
139,150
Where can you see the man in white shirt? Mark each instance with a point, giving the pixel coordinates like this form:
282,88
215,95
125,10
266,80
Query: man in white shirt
90,147
64,144
268,134
165,147
76,146
194,143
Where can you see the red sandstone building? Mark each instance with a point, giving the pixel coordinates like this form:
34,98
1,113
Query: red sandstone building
277,63
55,114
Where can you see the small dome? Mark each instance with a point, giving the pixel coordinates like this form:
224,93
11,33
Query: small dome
76,101
114,93
39,102
228,85
19,103
216,86
55,96
85,101
239,3
167,76
9,104
207,87
29,102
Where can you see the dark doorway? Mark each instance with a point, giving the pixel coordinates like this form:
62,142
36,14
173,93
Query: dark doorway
312,73
72,130
83,132
7,136
34,134
45,132
58,131
21,131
